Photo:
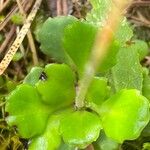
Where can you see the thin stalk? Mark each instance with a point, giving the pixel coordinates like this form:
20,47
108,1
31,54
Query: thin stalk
29,36
100,49
8,39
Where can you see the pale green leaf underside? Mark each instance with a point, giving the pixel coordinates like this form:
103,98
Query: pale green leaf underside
127,73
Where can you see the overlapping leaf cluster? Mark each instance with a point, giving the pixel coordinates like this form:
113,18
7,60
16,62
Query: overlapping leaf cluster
42,107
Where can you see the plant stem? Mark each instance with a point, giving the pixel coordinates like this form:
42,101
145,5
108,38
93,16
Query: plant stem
102,43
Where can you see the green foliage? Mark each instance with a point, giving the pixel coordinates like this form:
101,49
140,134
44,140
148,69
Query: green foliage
98,14
141,47
59,78
146,146
17,56
111,58
146,84
26,111
17,19
42,107
50,139
33,76
80,128
75,41
38,23
98,91
127,73
124,32
78,42
124,115
105,143
50,37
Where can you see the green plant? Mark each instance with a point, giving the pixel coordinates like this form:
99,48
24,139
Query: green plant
43,109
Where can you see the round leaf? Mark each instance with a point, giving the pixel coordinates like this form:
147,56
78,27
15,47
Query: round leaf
80,128
105,143
125,115
78,42
58,87
79,39
26,111
50,36
50,139
98,91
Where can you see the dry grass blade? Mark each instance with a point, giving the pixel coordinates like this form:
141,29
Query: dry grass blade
8,37
102,42
8,17
138,14
29,36
13,49
26,5
2,7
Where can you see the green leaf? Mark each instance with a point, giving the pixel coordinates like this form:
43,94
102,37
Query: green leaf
124,32
98,14
26,111
98,91
146,131
105,143
125,115
78,42
58,87
111,58
146,146
146,84
17,19
11,85
50,139
80,128
38,23
51,34
18,56
64,146
141,47
127,73
34,75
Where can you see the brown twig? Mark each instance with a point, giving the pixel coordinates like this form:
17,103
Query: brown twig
90,147
8,17
26,5
139,21
29,36
13,49
8,37
65,7
59,8
4,5
140,3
